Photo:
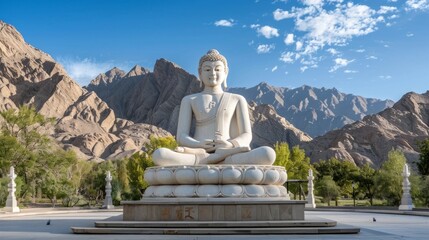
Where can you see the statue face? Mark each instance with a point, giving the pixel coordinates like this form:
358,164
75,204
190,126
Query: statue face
213,73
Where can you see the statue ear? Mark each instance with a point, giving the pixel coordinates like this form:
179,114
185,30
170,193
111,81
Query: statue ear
201,83
224,84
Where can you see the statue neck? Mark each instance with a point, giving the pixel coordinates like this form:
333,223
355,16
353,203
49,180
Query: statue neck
213,90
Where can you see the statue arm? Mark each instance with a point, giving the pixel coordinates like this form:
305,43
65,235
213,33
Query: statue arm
184,125
244,127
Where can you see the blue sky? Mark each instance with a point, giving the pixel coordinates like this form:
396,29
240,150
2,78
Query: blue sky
373,48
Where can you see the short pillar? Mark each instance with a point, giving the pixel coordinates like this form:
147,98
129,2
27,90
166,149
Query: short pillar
108,199
11,203
310,197
406,201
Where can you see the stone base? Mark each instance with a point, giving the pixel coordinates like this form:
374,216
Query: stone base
406,207
12,209
316,226
213,209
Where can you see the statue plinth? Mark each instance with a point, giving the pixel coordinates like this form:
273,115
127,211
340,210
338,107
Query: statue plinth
213,181
215,193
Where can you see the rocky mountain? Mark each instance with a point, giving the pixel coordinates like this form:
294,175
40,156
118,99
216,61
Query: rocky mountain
154,98
85,123
315,111
370,139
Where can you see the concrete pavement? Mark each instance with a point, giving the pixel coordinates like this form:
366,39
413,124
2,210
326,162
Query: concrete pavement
31,224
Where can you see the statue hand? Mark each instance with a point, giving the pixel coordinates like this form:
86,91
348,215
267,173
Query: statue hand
220,143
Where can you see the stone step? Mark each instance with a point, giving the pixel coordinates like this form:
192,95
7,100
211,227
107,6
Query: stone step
215,224
219,231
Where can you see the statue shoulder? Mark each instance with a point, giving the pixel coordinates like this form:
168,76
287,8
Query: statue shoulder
190,97
237,97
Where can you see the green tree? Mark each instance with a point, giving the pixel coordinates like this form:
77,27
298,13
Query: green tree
296,162
136,165
26,127
327,189
389,179
155,143
423,163
342,172
366,181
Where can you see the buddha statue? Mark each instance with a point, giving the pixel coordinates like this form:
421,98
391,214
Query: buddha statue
222,131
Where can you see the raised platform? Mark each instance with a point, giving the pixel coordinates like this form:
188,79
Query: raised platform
213,209
316,226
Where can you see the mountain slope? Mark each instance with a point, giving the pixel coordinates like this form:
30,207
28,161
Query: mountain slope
85,123
369,140
315,111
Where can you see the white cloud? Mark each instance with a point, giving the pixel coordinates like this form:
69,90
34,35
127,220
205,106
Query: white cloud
332,51
303,68
332,25
289,39
224,23
312,2
264,48
417,5
360,50
350,71
268,32
287,57
298,45
385,77
386,9
410,34
372,57
393,16
340,63
274,68
279,14
84,70
254,25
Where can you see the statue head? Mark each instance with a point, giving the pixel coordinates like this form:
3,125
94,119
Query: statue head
212,56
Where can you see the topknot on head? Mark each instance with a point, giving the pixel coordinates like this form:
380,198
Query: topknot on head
212,56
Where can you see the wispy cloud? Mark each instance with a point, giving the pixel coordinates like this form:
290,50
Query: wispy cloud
417,5
372,57
409,35
265,48
360,50
224,23
385,77
84,70
274,68
287,57
340,63
332,51
350,71
268,32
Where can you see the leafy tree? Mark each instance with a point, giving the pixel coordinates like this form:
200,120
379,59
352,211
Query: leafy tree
296,162
136,165
389,179
424,191
155,143
423,163
327,189
22,131
342,172
366,181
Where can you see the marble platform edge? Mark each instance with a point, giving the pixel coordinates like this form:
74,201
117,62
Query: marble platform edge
219,231
201,200
215,224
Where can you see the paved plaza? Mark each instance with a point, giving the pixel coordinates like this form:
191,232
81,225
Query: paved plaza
32,224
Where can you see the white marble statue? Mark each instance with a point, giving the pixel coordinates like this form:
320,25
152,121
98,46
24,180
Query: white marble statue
222,132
